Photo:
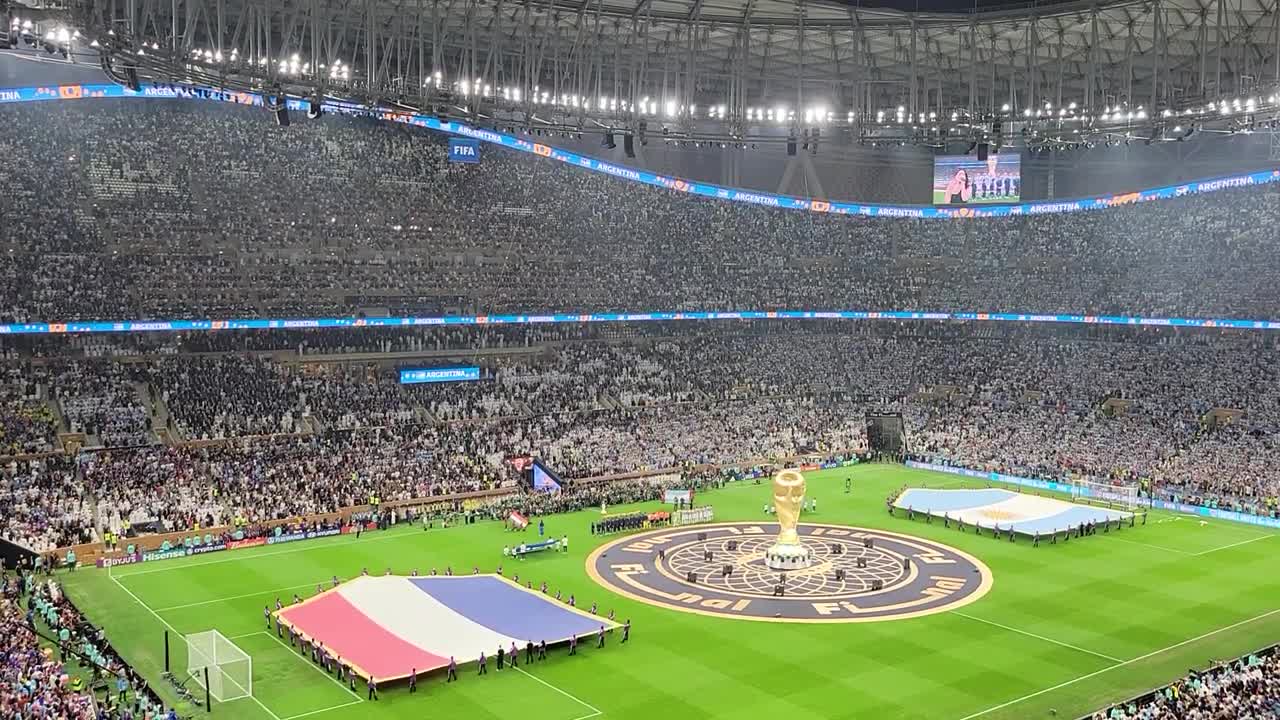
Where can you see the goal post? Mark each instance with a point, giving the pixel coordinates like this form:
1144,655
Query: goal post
1124,496
229,669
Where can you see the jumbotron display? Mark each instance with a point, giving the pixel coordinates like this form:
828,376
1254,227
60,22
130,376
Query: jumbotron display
968,180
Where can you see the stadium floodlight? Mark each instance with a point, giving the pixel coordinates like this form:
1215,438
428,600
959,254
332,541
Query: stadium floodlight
228,668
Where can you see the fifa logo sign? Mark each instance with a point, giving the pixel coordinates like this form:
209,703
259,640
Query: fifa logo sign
464,150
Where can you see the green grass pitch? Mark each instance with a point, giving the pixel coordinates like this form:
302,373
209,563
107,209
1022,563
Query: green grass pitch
1067,627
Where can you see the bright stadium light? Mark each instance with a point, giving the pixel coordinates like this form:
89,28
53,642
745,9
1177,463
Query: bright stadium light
1004,107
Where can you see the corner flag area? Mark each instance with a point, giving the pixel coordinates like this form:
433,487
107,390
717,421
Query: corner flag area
388,627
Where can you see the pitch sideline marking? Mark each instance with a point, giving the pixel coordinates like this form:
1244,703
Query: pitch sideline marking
234,597
1124,663
309,546
175,630
1235,544
594,710
1037,637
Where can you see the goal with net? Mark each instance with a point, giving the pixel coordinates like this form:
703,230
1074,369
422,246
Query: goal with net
1124,496
230,669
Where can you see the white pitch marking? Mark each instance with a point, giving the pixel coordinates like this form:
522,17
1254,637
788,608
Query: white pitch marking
331,678
1153,547
236,597
1096,673
308,547
175,630
1037,637
594,710
357,701
1234,544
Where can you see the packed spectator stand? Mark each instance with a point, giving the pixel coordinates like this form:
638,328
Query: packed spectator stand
269,435
56,664
107,219
1247,688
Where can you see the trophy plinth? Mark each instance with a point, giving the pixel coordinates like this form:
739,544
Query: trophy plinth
786,556
788,553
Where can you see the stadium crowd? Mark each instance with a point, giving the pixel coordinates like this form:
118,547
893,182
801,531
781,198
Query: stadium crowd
334,217
1243,689
107,218
1184,415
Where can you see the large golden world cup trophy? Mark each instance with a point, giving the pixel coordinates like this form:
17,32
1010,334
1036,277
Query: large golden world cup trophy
788,553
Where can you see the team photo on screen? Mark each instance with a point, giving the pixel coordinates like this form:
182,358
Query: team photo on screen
966,180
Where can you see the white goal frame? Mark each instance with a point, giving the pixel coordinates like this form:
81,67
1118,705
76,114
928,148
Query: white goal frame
1125,496
230,669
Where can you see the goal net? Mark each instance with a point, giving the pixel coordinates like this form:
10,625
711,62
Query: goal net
230,668
1125,496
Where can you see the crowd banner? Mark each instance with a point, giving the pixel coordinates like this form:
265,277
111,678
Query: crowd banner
521,144
1062,487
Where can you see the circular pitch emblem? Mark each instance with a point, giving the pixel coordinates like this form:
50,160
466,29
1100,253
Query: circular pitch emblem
882,575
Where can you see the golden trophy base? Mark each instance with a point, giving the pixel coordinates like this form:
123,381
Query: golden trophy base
788,556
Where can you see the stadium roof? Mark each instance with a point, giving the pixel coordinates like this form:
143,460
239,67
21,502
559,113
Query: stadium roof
741,54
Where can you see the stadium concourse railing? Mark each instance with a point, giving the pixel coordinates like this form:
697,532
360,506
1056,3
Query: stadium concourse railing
92,553
519,144
1154,693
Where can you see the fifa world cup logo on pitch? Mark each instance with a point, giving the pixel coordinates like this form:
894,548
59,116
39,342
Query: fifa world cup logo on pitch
788,553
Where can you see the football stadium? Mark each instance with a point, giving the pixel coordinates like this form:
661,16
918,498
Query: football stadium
701,359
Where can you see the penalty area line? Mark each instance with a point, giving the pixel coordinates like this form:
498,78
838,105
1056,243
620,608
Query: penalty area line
325,710
164,622
1059,643
594,710
1124,663
303,658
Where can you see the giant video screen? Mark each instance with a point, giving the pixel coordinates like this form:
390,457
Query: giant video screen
966,180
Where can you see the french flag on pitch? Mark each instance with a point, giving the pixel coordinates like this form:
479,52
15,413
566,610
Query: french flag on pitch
388,627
